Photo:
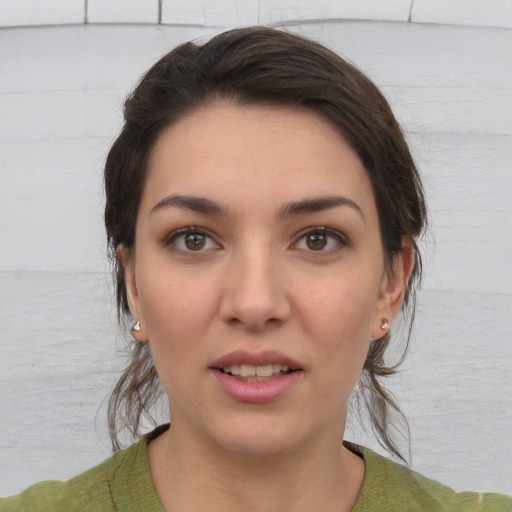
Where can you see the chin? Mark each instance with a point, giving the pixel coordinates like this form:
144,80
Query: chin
257,438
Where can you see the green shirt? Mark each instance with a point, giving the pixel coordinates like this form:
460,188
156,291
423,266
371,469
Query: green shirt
123,483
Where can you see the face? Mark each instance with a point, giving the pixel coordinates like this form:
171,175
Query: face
258,275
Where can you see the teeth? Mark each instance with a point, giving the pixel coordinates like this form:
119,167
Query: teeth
264,371
234,370
248,370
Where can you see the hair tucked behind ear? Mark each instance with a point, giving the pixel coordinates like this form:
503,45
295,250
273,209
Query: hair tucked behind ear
270,67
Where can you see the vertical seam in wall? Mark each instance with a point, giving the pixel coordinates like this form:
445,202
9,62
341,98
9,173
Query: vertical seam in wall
410,11
85,11
160,11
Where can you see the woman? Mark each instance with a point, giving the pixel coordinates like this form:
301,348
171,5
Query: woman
262,211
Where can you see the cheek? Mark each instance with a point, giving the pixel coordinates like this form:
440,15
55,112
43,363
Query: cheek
175,320
174,301
340,311
177,315
339,320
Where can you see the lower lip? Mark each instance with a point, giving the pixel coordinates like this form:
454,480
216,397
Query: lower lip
257,392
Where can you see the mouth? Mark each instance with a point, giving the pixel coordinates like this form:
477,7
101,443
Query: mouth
256,378
260,373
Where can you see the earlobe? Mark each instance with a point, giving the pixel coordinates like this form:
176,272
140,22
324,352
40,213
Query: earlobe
394,288
125,260
137,332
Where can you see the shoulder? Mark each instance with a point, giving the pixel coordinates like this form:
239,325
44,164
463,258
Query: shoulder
88,491
122,482
395,487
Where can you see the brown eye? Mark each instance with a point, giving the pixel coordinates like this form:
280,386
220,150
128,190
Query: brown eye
195,241
316,241
320,239
191,240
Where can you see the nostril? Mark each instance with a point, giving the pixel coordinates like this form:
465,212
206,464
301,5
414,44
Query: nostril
253,294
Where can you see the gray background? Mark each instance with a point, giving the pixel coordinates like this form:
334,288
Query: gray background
446,68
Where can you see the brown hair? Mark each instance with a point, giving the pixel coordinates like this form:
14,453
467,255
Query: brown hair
261,66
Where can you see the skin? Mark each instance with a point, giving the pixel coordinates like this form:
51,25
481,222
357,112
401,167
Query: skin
257,285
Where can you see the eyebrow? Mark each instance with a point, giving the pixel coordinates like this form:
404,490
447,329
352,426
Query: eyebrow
317,204
197,204
293,208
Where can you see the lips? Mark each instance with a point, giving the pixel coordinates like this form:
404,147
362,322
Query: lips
240,357
256,378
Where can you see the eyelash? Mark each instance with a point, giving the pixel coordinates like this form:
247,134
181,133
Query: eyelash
341,240
319,230
183,232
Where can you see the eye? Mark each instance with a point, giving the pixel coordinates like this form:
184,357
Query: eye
191,240
320,239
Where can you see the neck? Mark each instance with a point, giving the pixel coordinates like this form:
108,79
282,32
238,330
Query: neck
193,475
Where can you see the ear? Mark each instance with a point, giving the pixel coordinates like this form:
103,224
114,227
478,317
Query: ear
393,288
126,261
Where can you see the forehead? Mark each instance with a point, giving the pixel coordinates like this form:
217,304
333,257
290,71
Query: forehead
254,154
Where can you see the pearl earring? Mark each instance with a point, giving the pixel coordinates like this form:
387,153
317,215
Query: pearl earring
384,325
136,327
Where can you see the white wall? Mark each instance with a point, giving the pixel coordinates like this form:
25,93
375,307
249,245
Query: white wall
60,93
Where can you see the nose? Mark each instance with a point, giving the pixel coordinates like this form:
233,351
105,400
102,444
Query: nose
255,292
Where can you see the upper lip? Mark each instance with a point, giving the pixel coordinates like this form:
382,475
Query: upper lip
240,357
